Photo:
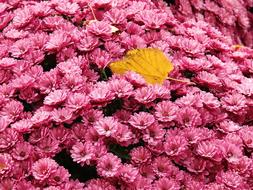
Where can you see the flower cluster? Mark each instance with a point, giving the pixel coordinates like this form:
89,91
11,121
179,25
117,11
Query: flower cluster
233,17
62,110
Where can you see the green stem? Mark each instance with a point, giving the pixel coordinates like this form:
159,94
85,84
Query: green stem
104,74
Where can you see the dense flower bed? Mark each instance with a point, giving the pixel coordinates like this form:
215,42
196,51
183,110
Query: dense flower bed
68,123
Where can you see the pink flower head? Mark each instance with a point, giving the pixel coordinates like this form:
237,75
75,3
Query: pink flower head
235,103
4,122
206,149
22,151
101,95
12,109
162,165
64,115
211,80
40,117
135,79
100,57
116,16
83,153
175,145
189,117
141,120
100,28
108,165
7,62
22,126
228,126
60,176
166,183
99,184
67,8
57,41
55,97
8,139
247,136
231,152
144,95
6,164
43,168
151,18
153,134
124,136
77,101
140,155
106,126
23,17
166,111
88,43
121,88
127,173
230,179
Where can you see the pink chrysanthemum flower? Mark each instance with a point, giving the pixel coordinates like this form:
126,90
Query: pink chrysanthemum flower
161,166
166,183
108,165
121,88
64,115
43,168
235,103
22,151
106,126
87,43
140,155
8,139
127,173
100,28
22,126
55,97
6,164
83,153
142,120
230,179
144,95
60,176
189,117
206,149
175,145
166,111
4,122
99,184
153,134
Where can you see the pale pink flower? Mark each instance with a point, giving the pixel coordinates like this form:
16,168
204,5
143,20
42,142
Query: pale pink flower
87,43
58,40
23,17
55,97
124,136
144,95
140,155
166,183
175,145
12,109
4,122
100,57
41,117
135,79
60,176
108,165
247,136
116,16
208,79
166,111
127,173
189,117
47,147
151,18
153,134
106,126
67,8
77,101
162,165
22,126
206,149
99,184
83,153
133,28
230,179
7,62
228,126
22,151
6,165
92,115
230,152
62,115
101,96
114,48
43,168
121,88
8,138
99,28
141,120
235,103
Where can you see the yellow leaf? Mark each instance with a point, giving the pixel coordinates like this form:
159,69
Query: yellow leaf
151,63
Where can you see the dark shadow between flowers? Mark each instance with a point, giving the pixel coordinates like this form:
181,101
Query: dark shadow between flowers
83,174
49,62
